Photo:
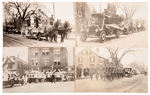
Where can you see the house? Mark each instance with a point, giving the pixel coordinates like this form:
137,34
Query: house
15,64
87,58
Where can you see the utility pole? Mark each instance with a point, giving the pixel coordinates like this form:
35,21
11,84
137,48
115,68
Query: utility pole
100,6
54,9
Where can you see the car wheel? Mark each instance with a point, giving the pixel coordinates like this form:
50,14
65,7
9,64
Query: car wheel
102,36
12,82
36,80
42,80
83,37
39,37
22,82
117,34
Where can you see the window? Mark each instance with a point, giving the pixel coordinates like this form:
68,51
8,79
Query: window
80,59
92,59
45,51
58,63
55,63
35,62
10,66
34,51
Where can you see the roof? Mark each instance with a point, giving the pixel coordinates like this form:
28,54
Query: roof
8,60
12,59
100,55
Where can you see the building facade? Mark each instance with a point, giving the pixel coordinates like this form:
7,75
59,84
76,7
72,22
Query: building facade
44,58
15,64
87,58
88,63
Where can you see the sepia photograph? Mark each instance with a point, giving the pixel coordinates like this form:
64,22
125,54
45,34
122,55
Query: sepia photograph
118,24
74,46
38,24
111,70
38,69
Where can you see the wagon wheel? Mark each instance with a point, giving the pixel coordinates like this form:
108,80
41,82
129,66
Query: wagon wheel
22,82
27,37
39,37
12,82
102,36
117,34
36,80
83,37
42,80
126,31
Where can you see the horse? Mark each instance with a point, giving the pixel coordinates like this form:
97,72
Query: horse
58,28
63,30
50,32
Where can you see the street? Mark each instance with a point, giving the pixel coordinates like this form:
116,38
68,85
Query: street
15,40
138,39
135,84
41,87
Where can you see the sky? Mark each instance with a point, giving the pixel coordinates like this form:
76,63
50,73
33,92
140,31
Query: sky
63,10
142,8
137,55
22,53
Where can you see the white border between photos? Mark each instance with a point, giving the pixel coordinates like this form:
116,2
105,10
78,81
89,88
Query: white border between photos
1,45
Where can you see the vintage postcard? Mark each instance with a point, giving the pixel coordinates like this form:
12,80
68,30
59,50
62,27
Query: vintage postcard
74,47
111,70
38,24
38,69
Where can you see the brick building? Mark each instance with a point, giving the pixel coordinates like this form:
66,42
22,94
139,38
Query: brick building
43,58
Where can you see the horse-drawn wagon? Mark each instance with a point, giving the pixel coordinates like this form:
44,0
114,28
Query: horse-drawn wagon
49,31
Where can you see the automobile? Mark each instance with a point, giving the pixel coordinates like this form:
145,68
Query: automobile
10,29
49,76
128,72
11,78
101,27
36,76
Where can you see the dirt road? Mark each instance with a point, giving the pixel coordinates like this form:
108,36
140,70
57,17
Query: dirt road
10,40
136,84
138,40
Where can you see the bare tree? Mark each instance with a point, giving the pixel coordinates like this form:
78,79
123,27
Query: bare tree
114,68
9,11
113,7
115,58
20,10
129,12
